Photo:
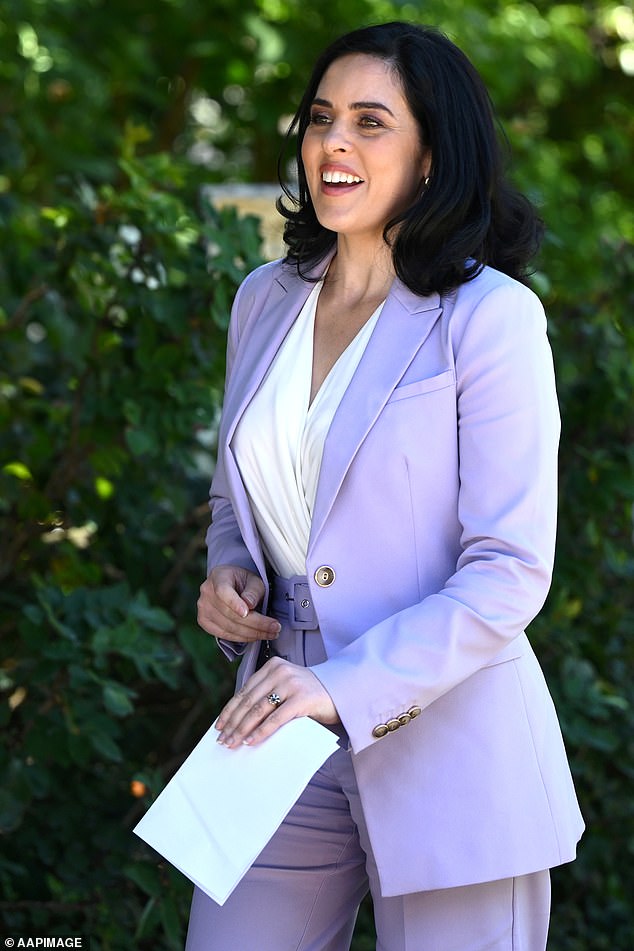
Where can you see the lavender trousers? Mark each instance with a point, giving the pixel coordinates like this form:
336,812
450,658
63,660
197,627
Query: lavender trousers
304,889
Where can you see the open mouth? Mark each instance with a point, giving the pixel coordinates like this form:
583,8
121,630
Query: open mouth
340,178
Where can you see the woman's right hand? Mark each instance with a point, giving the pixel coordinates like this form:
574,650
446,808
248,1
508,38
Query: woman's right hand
227,602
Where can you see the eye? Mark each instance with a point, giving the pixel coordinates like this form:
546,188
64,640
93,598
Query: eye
319,118
370,122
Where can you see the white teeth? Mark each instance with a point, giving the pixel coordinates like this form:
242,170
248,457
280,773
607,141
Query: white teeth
340,178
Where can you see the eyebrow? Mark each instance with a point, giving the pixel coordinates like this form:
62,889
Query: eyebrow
355,105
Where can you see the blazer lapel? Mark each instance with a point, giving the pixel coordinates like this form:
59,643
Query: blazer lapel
256,352
403,325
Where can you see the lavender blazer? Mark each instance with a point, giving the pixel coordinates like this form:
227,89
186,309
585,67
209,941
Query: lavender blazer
436,509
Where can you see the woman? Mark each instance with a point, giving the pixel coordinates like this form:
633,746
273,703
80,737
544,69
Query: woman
383,522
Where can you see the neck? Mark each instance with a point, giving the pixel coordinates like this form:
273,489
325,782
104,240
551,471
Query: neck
360,271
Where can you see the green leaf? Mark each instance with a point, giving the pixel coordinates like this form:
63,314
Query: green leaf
146,876
106,746
171,921
141,442
19,470
118,699
156,619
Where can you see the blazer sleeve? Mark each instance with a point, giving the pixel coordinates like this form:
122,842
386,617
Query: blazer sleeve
508,432
224,541
225,545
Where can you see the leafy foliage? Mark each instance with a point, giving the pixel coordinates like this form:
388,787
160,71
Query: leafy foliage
116,303
116,279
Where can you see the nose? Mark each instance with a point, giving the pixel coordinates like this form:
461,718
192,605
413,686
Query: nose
336,139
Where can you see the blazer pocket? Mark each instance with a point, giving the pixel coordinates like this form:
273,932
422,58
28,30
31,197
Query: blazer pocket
431,383
513,651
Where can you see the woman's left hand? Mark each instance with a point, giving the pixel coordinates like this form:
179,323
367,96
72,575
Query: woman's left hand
251,717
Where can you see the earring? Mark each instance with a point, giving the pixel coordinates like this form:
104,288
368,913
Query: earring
426,182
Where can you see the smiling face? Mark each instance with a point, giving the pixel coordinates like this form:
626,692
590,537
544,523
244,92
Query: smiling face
362,150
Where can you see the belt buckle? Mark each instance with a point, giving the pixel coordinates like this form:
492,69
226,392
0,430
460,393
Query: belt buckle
301,599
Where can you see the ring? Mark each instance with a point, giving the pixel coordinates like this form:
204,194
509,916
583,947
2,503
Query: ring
275,699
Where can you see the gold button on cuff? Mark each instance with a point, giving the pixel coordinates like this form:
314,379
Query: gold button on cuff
380,730
394,723
324,576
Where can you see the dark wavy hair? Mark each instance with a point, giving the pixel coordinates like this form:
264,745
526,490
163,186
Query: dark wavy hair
469,215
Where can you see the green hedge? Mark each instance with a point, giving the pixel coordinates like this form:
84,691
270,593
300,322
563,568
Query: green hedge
113,336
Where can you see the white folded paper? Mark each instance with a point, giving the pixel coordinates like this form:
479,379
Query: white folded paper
220,809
